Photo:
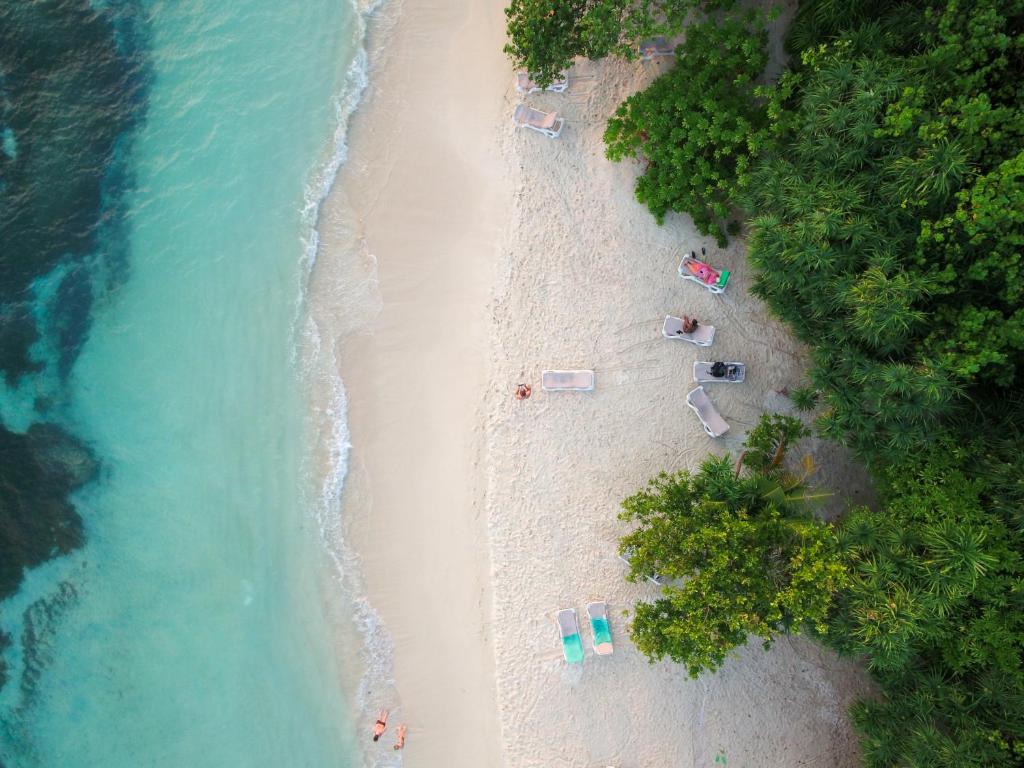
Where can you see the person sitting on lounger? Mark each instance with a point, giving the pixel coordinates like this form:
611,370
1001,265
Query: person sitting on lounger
523,391
689,324
722,371
381,725
401,737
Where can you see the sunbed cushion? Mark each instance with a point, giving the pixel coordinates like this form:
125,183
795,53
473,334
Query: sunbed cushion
567,379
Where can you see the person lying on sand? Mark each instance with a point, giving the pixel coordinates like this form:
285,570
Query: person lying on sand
401,737
523,391
381,725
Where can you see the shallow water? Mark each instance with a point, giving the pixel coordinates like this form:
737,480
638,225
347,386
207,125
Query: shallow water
192,627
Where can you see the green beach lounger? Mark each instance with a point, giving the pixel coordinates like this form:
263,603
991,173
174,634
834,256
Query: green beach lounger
569,630
598,613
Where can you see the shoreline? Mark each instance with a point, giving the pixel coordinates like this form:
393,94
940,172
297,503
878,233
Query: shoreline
403,314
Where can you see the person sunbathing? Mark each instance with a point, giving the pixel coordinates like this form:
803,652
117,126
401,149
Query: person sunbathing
523,391
702,271
401,737
689,324
381,725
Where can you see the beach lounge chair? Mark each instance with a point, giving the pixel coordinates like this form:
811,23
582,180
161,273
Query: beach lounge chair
712,420
734,373
656,46
627,558
569,631
692,268
524,84
548,123
673,329
598,613
567,381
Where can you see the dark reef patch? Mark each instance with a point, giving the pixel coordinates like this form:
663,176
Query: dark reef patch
73,82
17,334
70,89
73,78
37,521
38,634
5,642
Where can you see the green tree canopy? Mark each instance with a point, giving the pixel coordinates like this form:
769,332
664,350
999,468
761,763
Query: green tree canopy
696,128
742,554
888,224
546,35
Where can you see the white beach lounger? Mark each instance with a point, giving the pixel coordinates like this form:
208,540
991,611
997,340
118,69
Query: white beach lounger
627,558
569,631
567,381
548,123
734,373
673,329
712,420
656,46
598,613
525,85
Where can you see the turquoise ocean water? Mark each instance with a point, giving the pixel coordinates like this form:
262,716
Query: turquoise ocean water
192,626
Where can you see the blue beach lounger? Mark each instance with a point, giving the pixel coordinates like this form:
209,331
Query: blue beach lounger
598,613
569,630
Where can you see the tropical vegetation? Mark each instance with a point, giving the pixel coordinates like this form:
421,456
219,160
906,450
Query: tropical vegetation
740,551
697,127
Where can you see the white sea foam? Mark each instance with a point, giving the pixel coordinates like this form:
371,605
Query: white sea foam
318,367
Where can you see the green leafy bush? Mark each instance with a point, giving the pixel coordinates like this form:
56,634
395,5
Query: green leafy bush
743,554
546,35
696,128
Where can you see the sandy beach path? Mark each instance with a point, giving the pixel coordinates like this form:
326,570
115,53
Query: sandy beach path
422,192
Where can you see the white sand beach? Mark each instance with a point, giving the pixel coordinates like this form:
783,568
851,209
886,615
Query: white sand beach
486,255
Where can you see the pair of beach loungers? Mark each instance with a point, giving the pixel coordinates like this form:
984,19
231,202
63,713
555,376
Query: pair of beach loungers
698,400
569,631
547,123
